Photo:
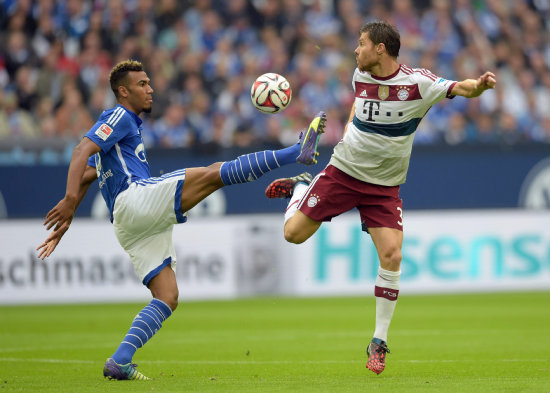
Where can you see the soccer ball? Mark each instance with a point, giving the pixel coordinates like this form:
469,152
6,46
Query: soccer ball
271,93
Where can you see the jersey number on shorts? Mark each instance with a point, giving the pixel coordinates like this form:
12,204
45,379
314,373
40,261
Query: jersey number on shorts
400,216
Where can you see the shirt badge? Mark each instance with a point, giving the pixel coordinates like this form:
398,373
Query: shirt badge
383,92
403,93
104,131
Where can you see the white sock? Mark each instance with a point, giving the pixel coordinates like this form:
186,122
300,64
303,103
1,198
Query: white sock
299,191
386,291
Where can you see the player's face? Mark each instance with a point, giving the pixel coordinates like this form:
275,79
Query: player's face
140,97
366,53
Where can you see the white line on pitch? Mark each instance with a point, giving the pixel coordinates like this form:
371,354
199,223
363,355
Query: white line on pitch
229,362
68,361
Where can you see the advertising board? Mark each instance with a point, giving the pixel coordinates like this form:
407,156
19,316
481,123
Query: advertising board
229,257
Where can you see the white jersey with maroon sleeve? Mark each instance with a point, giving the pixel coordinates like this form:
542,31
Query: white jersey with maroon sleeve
377,145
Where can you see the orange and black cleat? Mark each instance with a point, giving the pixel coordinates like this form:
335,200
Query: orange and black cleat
376,351
283,188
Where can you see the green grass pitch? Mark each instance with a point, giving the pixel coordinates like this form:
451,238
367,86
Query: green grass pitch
485,343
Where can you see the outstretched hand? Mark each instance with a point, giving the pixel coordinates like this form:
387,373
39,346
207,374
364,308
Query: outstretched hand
61,217
487,81
49,245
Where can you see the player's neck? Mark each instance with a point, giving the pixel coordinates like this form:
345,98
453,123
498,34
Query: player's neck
386,67
129,107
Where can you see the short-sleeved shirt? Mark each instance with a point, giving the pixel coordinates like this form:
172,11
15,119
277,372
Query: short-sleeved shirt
377,145
122,158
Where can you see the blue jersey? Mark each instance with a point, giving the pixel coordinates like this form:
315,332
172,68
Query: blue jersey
122,159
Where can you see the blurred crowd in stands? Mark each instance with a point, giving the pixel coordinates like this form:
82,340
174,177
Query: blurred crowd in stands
202,57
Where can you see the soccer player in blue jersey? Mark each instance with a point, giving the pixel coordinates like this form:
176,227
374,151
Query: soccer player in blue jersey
371,161
144,209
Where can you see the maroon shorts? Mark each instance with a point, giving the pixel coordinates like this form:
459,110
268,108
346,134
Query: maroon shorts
333,192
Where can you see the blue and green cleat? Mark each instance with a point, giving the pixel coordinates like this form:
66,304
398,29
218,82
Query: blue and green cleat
122,372
310,139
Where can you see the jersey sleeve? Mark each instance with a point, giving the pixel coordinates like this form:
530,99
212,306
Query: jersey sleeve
91,161
433,87
111,129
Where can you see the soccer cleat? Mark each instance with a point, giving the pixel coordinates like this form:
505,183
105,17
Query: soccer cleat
376,351
310,139
122,372
283,188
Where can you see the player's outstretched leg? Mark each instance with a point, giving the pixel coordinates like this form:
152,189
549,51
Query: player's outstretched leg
250,167
122,372
310,139
376,352
284,187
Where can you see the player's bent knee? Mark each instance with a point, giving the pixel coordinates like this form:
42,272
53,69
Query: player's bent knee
292,235
172,301
299,228
391,259
213,173
170,297
210,177
205,177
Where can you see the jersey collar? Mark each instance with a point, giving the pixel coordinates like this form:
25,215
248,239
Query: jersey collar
385,78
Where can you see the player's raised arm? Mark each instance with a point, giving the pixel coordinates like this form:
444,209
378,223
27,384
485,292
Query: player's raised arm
474,87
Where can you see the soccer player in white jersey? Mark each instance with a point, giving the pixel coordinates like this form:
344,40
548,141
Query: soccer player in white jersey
144,209
371,161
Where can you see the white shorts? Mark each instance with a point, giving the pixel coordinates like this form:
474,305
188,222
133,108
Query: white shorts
144,215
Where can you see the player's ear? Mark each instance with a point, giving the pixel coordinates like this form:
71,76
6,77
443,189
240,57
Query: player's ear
123,91
380,48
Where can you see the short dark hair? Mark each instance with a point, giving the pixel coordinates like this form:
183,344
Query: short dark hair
120,71
385,33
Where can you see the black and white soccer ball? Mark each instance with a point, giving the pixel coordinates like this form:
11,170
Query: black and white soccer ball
271,93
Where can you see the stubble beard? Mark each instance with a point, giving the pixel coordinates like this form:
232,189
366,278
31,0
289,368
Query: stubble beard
362,66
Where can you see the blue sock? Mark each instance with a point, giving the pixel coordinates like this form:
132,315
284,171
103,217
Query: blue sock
250,167
145,325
